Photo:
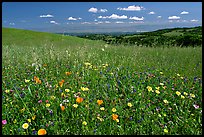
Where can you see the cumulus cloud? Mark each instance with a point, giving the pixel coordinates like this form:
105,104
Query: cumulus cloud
12,23
95,20
194,20
79,18
132,8
151,13
118,22
184,12
53,22
95,10
173,17
46,16
159,17
85,23
113,16
72,18
136,18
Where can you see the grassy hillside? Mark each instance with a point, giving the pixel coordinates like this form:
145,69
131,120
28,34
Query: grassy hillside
72,86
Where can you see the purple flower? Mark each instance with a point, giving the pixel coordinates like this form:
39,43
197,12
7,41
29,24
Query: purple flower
196,106
40,101
34,132
4,122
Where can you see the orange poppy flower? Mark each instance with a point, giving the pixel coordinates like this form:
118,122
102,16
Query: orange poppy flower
42,132
114,116
100,102
79,99
68,73
62,108
61,83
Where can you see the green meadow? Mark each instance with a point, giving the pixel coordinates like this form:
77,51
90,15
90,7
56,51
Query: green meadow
66,85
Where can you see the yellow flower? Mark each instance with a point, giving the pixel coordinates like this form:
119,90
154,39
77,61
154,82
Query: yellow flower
178,93
117,120
84,123
157,91
178,75
192,95
129,104
159,115
26,81
149,88
84,89
182,97
33,117
185,93
157,88
7,91
67,90
25,126
162,84
102,108
15,121
47,105
165,130
181,77
101,119
87,63
161,73
53,97
75,105
165,101
164,114
114,110
29,120
62,95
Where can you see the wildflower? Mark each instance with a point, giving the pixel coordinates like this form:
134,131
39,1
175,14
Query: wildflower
7,91
61,83
162,84
161,73
68,73
87,64
25,125
164,87
67,90
102,108
37,80
159,115
117,120
100,102
192,95
185,93
15,121
101,119
29,120
114,110
157,91
40,101
75,105
46,101
178,93
4,122
84,89
47,105
165,101
178,75
165,130
44,65
84,123
181,77
182,97
164,114
26,81
114,116
33,117
79,99
62,108
42,132
196,106
129,104
62,95
149,88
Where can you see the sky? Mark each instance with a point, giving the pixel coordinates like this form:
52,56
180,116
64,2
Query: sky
80,17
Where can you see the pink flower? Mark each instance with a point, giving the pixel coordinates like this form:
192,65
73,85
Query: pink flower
196,106
4,122
40,101
46,101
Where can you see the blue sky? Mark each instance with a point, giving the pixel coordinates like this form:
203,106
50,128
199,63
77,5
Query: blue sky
100,16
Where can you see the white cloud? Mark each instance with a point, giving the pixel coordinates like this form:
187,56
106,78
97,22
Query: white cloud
103,10
79,18
118,22
184,21
151,13
113,16
72,18
95,20
53,22
132,8
94,10
12,23
173,17
193,20
184,12
107,21
136,18
136,22
46,16
85,23
159,17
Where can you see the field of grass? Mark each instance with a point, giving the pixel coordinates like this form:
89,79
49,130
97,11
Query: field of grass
72,86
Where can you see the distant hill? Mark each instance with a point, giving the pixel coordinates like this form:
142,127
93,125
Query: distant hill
182,37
